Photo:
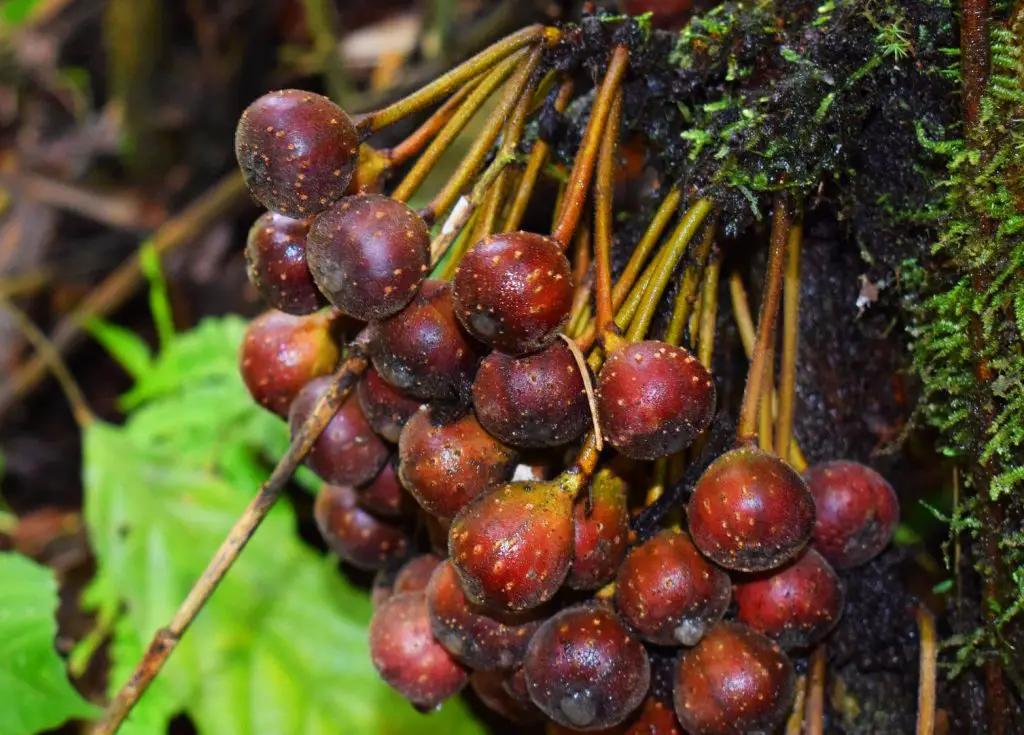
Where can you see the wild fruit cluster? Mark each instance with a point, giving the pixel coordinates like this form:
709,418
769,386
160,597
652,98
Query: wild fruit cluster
468,466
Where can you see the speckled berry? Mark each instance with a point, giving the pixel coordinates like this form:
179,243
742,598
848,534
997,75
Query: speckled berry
489,686
275,256
387,408
654,718
384,495
415,574
359,538
600,532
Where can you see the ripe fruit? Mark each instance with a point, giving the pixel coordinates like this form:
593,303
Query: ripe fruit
297,151
858,512
653,399
281,353
667,593
423,349
275,256
490,687
584,670
406,655
513,291
733,682
512,547
384,495
533,401
655,718
356,536
368,254
385,406
480,639
600,536
667,14
446,465
347,452
796,605
414,576
750,511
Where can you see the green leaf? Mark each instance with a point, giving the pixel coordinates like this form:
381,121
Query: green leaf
127,348
159,301
34,686
16,12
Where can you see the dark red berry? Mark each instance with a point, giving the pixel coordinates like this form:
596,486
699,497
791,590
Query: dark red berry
858,512
423,349
667,14
584,670
347,452
489,686
281,353
368,254
515,685
513,546
386,407
735,681
481,639
533,401
655,718
796,605
601,532
414,576
750,511
669,594
297,151
357,537
275,255
446,465
513,291
384,495
406,655
653,399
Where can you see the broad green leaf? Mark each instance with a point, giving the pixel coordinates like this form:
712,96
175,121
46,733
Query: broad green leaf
34,689
16,12
127,348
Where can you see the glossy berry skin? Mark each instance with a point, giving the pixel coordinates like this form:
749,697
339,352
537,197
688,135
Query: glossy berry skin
384,495
858,512
584,670
655,718
347,452
446,465
796,605
733,682
653,399
534,401
600,536
667,593
489,686
512,546
513,291
275,256
357,537
414,576
281,353
424,351
386,407
407,657
481,639
368,254
297,151
750,511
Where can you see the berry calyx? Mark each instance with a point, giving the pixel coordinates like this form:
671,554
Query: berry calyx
275,256
356,536
600,532
750,511
297,151
513,291
368,254
386,407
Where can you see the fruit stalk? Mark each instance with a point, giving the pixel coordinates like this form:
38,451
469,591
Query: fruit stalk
688,290
167,638
790,339
433,125
603,190
815,718
928,671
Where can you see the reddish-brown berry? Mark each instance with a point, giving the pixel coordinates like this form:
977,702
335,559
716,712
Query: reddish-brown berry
534,401
489,686
347,452
446,465
357,537
275,255
512,547
406,655
281,353
655,718
415,574
584,670
297,151
735,681
384,495
750,511
858,512
481,639
669,594
368,254
796,605
423,349
653,399
601,532
386,407
667,14
513,291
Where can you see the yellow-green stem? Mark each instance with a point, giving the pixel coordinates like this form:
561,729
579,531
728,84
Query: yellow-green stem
790,337
431,126
651,236
687,296
603,191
